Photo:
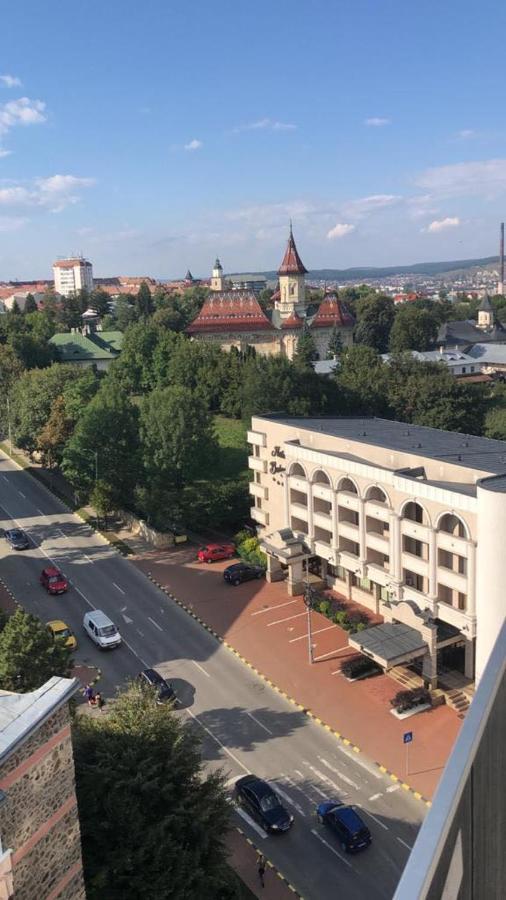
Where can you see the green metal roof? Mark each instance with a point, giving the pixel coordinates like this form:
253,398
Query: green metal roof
75,347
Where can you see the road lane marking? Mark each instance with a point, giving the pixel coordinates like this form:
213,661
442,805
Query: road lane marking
325,780
22,495
331,848
244,815
40,511
213,736
378,821
118,588
324,655
144,663
374,797
259,723
288,619
392,788
338,772
359,761
232,780
79,591
5,477
127,619
141,633
270,608
288,799
195,663
318,631
404,843
154,623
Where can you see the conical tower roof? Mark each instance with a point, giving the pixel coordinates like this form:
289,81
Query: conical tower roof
486,305
292,263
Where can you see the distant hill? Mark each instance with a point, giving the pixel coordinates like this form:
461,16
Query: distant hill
426,268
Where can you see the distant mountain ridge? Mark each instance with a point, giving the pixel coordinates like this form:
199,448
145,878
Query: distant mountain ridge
425,268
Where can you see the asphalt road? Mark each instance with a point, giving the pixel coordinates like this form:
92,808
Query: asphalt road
245,726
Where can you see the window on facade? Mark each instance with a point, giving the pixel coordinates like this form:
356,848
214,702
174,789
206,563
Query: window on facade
414,512
376,526
346,484
298,497
298,525
376,494
452,561
416,548
322,506
415,581
348,546
321,534
451,524
297,471
321,478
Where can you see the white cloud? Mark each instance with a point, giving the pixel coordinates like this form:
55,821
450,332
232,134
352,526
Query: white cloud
10,81
339,231
12,223
265,124
4,152
364,206
21,112
465,133
193,145
53,193
442,224
480,177
377,122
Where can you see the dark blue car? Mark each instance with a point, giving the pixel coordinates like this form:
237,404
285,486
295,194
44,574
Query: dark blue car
351,832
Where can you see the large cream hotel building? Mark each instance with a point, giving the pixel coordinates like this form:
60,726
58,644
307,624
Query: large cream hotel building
408,521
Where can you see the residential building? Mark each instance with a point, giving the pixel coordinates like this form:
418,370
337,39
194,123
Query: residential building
234,318
255,283
91,348
464,334
19,297
458,363
40,839
490,357
72,275
407,520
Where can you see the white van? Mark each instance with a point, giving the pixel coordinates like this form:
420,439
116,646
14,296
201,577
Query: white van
101,630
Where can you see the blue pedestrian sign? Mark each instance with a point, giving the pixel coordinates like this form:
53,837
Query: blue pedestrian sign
407,737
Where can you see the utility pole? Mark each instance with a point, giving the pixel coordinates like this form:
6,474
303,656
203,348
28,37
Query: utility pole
308,600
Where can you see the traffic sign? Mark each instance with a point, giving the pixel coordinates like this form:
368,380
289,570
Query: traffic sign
407,737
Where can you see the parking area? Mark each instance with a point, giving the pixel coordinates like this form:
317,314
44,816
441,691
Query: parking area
270,630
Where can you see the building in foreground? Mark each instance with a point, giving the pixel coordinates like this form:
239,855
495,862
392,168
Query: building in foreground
408,521
459,851
88,348
40,839
233,317
72,275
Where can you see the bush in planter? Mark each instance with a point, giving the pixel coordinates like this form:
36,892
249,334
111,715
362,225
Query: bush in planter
358,626
249,550
325,607
406,700
341,619
360,665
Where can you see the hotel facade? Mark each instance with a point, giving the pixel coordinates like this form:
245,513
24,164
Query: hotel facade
406,520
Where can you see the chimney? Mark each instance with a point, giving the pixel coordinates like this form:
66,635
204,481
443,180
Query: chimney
500,286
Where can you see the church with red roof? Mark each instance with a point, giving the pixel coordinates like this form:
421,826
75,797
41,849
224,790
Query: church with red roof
235,318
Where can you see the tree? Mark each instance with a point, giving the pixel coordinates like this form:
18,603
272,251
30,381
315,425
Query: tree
134,368
32,398
100,301
153,824
33,352
53,436
30,304
168,317
15,310
29,655
335,347
71,312
495,424
362,377
144,301
177,436
305,353
375,315
102,499
413,329
125,311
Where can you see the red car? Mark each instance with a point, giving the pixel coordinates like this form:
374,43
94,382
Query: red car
53,580
211,552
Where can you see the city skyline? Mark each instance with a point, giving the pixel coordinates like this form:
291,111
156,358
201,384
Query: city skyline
151,140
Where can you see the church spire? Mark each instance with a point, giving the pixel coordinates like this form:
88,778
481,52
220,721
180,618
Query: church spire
291,263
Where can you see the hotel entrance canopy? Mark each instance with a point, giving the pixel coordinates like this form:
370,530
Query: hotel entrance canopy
390,644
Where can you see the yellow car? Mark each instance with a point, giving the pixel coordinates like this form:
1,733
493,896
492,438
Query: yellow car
60,630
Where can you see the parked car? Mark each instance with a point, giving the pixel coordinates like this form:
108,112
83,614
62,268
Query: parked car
101,630
60,630
344,821
17,538
165,693
53,580
263,804
212,552
239,572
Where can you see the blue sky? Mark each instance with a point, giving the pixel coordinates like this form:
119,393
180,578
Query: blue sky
152,136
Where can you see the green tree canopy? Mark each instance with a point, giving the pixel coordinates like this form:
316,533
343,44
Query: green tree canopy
375,316
33,352
362,377
30,304
335,347
144,301
29,655
53,436
153,823
413,329
305,353
32,398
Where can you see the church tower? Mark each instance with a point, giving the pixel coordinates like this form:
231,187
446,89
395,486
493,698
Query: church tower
292,286
485,314
217,277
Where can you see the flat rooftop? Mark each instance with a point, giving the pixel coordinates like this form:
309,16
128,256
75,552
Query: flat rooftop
479,453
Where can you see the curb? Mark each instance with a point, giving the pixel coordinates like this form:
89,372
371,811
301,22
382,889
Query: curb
269,863
337,734
11,595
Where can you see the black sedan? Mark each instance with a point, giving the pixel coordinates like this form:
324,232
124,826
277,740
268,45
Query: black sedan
239,572
263,804
165,693
17,539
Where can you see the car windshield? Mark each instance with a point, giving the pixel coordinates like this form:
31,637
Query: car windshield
16,534
63,632
270,801
107,631
54,578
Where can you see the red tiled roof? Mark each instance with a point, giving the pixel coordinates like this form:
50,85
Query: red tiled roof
230,311
292,263
70,263
332,311
293,321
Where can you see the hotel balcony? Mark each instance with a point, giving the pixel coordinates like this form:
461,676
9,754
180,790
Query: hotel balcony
257,438
257,464
377,542
323,520
415,564
322,492
258,490
299,510
452,579
452,544
415,530
377,511
347,530
300,484
259,515
351,501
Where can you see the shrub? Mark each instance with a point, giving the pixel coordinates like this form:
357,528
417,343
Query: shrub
251,552
325,607
359,626
360,665
340,618
405,700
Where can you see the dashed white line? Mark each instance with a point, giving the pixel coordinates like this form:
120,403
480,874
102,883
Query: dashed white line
324,655
344,777
318,631
288,619
331,848
374,797
271,608
144,663
213,736
404,843
244,815
118,588
258,722
79,591
195,663
22,495
40,512
289,800
5,477
155,623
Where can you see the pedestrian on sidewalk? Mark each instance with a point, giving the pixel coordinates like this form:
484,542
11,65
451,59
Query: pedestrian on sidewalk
261,868
99,701
90,696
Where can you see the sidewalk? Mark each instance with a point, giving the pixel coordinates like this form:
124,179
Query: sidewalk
244,858
268,629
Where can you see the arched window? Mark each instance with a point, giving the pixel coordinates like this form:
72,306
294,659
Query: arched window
346,484
451,524
377,495
320,477
415,513
297,471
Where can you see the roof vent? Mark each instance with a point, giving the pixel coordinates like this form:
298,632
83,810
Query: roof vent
465,443
364,434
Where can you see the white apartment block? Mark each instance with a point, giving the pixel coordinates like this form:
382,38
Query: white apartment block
406,520
70,275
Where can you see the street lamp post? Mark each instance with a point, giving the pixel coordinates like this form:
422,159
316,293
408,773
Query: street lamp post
308,600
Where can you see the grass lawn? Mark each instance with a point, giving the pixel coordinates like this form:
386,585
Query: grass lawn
233,458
